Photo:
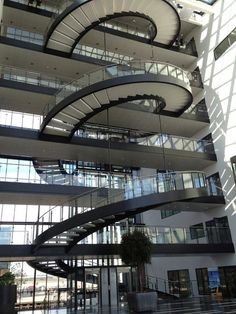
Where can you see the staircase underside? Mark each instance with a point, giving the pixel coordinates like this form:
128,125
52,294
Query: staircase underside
77,108
53,255
78,227
83,15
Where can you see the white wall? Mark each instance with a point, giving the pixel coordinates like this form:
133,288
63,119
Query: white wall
1,10
219,78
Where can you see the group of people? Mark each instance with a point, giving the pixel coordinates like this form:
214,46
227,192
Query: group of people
180,42
36,2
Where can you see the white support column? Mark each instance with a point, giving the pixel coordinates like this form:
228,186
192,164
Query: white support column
1,16
108,287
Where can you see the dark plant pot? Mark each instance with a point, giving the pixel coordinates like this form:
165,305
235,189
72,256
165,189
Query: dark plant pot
7,299
142,301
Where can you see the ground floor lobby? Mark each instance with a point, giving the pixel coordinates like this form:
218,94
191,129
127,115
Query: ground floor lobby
187,306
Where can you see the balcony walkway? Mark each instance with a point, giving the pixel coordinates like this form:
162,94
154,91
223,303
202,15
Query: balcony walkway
187,306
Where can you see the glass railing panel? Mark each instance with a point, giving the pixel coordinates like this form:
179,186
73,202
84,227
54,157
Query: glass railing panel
122,27
131,189
44,5
189,145
96,77
179,74
167,141
15,171
113,234
113,71
10,235
187,180
172,71
177,143
163,235
29,77
179,184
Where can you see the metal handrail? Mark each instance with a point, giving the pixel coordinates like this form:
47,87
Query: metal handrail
170,176
92,77
6,70
137,135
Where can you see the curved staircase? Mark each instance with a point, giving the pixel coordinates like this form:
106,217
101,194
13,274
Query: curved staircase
68,28
94,92
94,210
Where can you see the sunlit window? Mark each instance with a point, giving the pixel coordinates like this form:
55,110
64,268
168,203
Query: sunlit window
233,163
225,44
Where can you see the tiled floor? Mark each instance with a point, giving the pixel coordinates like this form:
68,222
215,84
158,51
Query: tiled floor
190,306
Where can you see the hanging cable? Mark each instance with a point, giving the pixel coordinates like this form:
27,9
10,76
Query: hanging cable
109,149
105,45
162,142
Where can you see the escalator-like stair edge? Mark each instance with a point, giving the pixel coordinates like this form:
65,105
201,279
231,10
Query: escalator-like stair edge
136,205
109,93
81,16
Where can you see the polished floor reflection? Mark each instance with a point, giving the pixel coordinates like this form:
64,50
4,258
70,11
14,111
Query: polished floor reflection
190,306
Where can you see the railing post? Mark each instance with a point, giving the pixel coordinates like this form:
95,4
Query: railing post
171,238
156,285
191,288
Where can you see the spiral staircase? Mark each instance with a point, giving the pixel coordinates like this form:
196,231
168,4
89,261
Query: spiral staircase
77,102
94,92
68,28
94,210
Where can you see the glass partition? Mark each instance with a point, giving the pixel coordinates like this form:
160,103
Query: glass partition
129,190
113,71
33,78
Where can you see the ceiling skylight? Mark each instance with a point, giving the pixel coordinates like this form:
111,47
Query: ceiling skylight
210,2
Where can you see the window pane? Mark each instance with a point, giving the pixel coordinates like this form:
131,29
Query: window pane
225,44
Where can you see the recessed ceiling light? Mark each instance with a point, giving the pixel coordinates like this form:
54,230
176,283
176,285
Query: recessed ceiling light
31,63
55,68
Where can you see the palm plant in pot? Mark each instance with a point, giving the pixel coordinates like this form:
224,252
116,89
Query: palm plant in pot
135,250
7,293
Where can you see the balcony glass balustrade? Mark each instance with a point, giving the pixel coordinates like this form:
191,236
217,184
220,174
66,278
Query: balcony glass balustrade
159,235
29,77
100,54
23,171
9,235
199,110
59,6
84,50
20,119
115,71
129,189
146,139
119,25
113,234
54,7
10,31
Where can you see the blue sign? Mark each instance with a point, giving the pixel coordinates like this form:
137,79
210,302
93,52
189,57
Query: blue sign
214,278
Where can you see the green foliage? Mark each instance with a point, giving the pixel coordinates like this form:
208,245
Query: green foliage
7,279
135,248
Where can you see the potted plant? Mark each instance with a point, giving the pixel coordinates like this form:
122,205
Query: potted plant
7,293
135,250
